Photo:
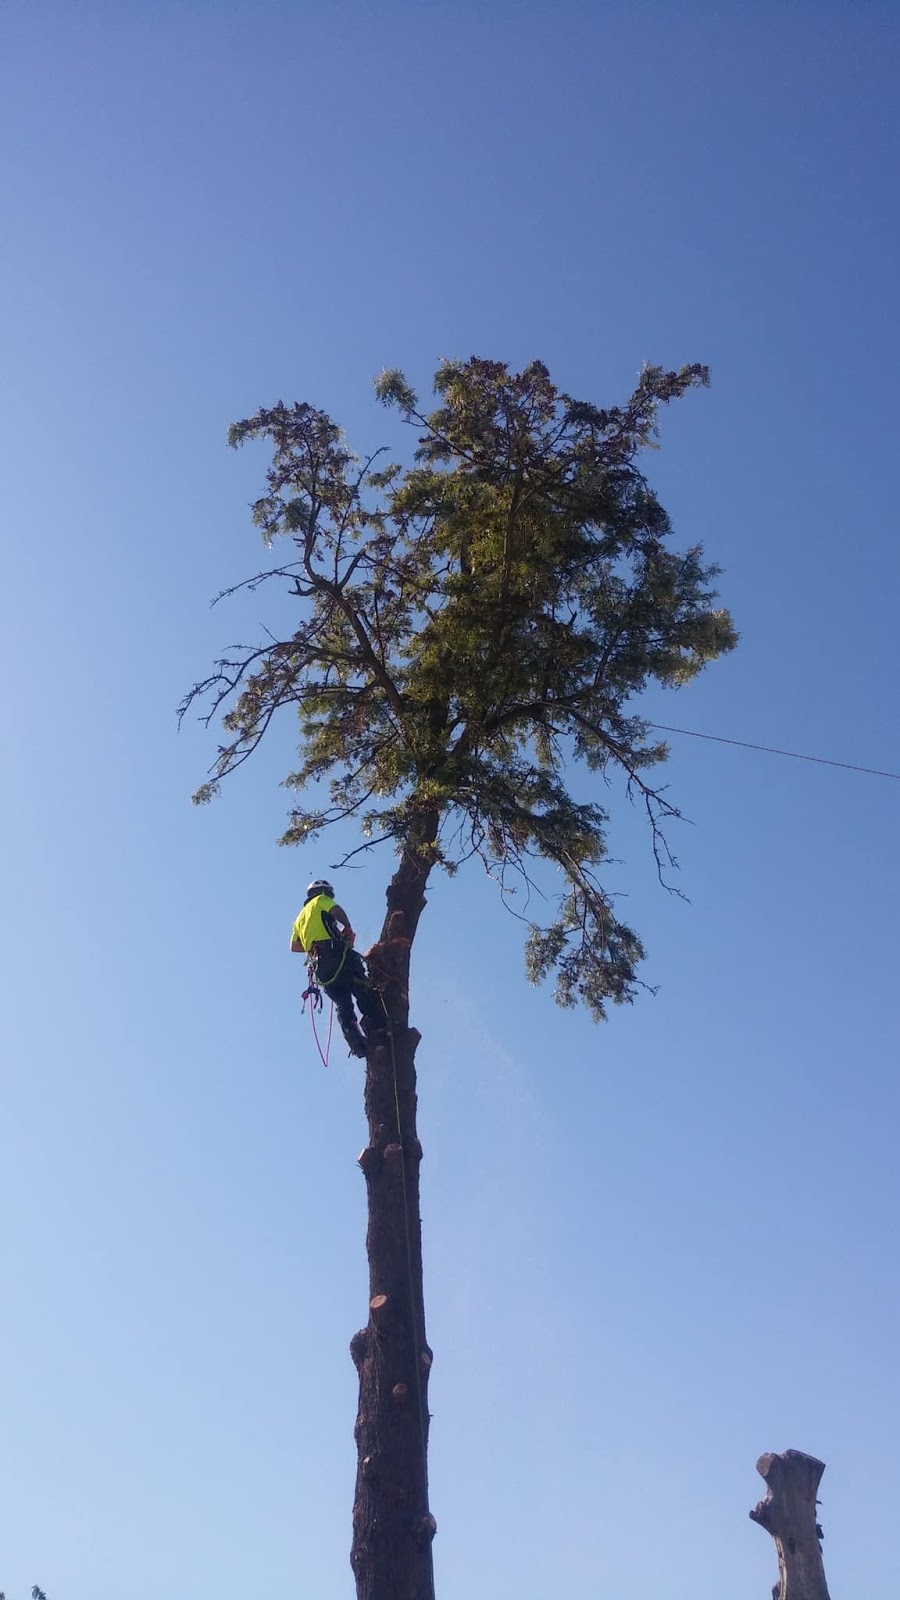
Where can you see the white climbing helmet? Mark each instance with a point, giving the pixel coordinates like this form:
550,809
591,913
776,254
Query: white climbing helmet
319,886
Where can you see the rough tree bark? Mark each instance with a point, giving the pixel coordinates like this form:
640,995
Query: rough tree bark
788,1513
392,1524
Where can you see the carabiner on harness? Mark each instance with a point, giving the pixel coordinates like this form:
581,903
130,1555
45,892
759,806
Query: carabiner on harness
313,993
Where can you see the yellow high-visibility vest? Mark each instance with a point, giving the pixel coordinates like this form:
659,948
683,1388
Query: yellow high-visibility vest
309,927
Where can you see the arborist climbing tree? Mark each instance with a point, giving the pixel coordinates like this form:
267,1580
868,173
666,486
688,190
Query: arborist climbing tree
469,627
322,932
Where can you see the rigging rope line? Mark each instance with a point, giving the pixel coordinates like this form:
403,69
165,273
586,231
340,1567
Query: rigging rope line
795,755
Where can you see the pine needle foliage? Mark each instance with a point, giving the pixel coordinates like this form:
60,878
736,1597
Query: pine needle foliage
470,623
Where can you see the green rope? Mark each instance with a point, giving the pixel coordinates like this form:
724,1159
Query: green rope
327,982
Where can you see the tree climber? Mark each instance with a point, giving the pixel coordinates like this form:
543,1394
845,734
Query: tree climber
322,931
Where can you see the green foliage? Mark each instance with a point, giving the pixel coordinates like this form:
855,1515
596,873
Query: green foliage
469,623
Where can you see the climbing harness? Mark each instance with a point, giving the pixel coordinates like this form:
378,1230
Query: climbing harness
327,982
313,993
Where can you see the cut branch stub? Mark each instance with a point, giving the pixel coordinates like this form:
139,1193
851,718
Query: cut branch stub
368,1160
788,1513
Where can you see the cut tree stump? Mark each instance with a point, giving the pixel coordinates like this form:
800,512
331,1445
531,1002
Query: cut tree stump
788,1513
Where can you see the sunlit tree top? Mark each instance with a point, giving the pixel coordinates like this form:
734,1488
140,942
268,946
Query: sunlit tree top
468,624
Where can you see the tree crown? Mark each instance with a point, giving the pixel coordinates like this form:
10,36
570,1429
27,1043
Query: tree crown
467,623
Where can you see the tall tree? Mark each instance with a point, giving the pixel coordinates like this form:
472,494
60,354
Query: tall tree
467,625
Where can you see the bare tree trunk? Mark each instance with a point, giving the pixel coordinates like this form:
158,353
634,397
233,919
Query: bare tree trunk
392,1524
788,1513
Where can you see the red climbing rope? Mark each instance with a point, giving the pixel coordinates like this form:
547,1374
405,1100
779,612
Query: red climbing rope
312,1015
314,995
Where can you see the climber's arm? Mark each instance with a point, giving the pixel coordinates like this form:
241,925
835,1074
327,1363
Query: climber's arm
343,921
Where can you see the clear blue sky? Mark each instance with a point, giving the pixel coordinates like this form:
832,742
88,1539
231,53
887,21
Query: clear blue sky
654,1249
